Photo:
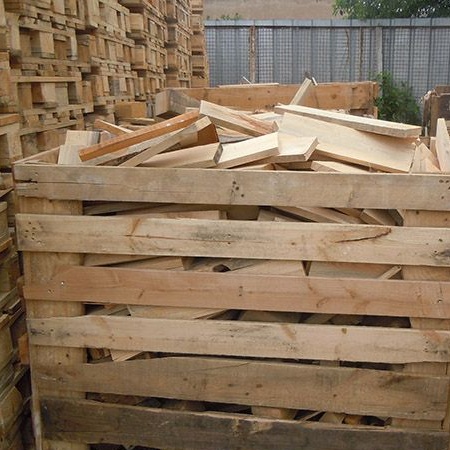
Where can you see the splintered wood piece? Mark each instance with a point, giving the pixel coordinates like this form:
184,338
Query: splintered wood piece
443,145
294,148
84,138
248,151
198,131
424,161
384,127
110,127
167,142
377,217
202,156
69,154
343,143
333,166
327,215
135,137
169,312
305,89
235,120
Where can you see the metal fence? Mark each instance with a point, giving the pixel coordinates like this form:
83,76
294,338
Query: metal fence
416,51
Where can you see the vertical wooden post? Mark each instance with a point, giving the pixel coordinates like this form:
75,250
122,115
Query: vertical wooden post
39,267
252,56
431,219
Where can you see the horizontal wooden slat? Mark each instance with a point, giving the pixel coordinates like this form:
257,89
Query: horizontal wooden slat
250,339
282,188
247,382
246,291
235,239
85,421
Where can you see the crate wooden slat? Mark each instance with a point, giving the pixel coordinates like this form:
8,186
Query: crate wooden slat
355,366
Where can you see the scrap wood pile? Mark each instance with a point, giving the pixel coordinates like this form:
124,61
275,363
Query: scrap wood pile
252,281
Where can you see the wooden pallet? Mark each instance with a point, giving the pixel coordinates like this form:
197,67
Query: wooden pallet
10,147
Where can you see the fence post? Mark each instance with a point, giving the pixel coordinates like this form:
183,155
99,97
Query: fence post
252,55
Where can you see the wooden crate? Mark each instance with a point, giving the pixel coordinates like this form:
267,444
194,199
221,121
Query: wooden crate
328,353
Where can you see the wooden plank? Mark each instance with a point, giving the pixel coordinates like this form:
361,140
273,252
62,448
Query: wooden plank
343,143
202,156
322,215
40,266
166,143
135,137
443,145
72,420
383,191
305,89
235,239
250,291
333,166
400,130
293,148
234,120
110,127
69,154
358,95
249,339
283,385
248,151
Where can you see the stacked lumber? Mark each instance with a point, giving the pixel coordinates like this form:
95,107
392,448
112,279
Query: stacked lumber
106,47
178,45
14,388
253,281
46,86
200,67
148,29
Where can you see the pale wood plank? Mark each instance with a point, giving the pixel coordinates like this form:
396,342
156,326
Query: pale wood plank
116,130
127,425
235,239
286,188
443,145
305,90
295,386
400,130
202,156
248,339
251,286
235,120
339,142
248,151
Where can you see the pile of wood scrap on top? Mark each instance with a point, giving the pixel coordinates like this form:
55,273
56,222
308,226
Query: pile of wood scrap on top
291,138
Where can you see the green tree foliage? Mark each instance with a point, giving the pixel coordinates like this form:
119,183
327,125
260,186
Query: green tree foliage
396,102
385,9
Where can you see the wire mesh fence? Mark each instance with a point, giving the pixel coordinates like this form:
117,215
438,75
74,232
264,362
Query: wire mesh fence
416,51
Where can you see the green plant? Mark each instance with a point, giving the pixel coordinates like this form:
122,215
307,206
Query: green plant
396,102
236,16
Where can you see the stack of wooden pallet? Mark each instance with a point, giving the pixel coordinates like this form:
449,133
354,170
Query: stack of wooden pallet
14,390
45,77
148,56
107,49
276,280
179,71
200,67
